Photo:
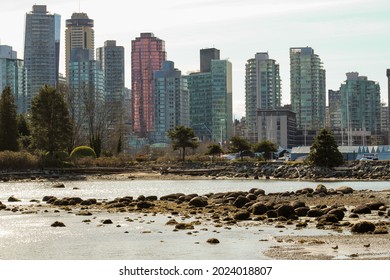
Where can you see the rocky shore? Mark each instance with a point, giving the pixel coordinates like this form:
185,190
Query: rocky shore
362,215
356,170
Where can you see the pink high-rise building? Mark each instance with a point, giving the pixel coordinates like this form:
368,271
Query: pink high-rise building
147,55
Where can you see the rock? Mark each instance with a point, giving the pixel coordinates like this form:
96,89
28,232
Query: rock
344,190
381,230
362,209
375,205
184,226
172,197
302,211
242,215
285,211
141,198
259,209
363,227
151,198
58,224
296,204
13,199
213,241
338,213
48,197
354,216
144,205
329,218
321,189
107,222
315,213
240,201
271,214
84,213
58,186
198,201
171,222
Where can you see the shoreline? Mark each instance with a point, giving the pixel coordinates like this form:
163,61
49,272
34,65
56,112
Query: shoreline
253,209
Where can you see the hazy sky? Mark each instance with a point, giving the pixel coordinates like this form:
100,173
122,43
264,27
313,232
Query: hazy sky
348,35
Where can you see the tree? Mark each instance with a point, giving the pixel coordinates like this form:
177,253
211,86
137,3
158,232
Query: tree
214,149
238,145
51,128
266,148
24,131
8,123
324,151
182,137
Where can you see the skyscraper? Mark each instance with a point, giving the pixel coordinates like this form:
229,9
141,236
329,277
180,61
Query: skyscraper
388,99
262,91
308,91
361,108
79,33
147,56
13,74
111,60
211,102
206,55
171,101
334,98
41,50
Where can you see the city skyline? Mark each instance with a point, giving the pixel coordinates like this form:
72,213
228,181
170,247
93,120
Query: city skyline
349,35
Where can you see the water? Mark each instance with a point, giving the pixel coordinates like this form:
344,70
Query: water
30,236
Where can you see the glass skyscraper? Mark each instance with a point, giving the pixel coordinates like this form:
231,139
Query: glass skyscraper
360,106
171,101
79,33
308,90
211,113
41,50
262,91
13,74
147,56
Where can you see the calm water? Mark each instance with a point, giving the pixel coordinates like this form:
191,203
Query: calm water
29,236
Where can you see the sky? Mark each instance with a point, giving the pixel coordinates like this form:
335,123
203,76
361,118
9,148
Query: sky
348,35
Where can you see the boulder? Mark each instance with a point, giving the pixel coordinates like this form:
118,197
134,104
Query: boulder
362,209
315,213
151,198
271,214
107,222
213,241
296,204
285,211
302,211
242,215
13,199
344,190
259,208
375,205
241,201
184,226
321,189
58,186
338,213
198,201
48,197
172,197
58,224
363,227
144,205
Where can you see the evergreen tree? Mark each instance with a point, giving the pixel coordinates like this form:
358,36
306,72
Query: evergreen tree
324,151
8,124
182,137
51,128
23,128
214,149
266,148
238,145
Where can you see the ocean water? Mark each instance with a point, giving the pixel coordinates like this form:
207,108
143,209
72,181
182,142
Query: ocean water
134,236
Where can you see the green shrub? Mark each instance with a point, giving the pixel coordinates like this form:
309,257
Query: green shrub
82,152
